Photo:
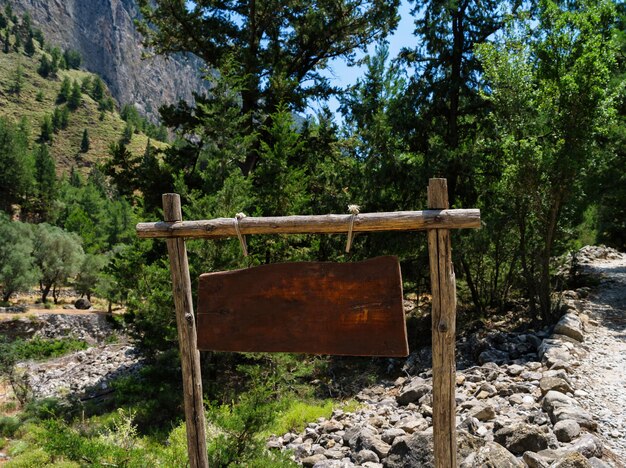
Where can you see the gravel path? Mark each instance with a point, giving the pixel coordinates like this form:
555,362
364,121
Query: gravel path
602,373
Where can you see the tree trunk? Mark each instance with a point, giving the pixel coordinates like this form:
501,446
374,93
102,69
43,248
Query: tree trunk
45,290
55,293
471,285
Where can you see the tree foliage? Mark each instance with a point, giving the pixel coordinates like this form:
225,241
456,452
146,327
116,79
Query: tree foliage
277,48
17,270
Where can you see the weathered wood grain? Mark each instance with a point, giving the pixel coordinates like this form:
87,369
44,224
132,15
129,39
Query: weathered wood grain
305,307
324,224
186,325
443,289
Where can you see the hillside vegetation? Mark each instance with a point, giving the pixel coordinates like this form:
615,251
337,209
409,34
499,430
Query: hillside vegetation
35,98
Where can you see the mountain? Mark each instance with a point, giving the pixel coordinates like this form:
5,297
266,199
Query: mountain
103,32
28,98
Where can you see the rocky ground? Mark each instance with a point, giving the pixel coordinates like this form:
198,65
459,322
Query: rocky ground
552,398
83,374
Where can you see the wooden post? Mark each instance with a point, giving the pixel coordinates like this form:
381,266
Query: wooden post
443,286
186,324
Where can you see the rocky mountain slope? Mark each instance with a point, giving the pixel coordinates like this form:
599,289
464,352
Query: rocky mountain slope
104,33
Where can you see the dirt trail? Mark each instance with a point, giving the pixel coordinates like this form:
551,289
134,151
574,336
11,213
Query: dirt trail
602,373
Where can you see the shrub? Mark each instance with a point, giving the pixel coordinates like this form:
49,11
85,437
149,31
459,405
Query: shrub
9,426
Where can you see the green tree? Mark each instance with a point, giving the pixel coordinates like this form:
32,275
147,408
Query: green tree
47,130
75,98
278,49
29,46
122,168
609,187
89,274
17,271
45,68
6,48
72,59
45,183
58,255
550,94
65,91
84,143
17,84
37,34
97,89
442,105
16,165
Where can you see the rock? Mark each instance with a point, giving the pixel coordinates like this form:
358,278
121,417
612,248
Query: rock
482,412
412,424
587,445
331,426
390,434
534,460
555,383
583,418
597,463
412,394
566,430
570,325
491,455
520,438
366,456
493,355
82,304
344,463
312,460
572,460
411,452
515,369
366,439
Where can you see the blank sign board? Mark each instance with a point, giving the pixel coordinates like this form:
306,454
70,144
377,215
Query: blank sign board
305,307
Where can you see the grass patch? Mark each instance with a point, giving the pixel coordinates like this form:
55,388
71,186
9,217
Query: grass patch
42,348
298,414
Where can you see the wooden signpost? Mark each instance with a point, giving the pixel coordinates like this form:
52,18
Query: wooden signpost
317,308
305,307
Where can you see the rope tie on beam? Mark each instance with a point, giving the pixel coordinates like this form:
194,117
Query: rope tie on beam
354,211
242,239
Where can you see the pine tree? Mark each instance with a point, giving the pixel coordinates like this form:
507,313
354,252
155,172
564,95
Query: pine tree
16,173
75,179
65,91
17,45
56,119
47,130
18,80
45,182
29,47
84,144
45,66
97,89
72,59
7,42
75,98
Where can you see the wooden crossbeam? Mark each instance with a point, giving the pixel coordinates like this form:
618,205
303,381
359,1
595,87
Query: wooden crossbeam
323,224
